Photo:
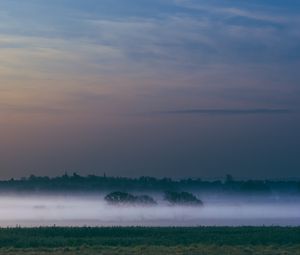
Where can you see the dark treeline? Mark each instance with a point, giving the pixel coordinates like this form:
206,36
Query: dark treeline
94,183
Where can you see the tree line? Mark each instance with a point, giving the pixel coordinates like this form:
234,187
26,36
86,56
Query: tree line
93,183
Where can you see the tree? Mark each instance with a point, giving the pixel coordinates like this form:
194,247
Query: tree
182,198
229,178
119,197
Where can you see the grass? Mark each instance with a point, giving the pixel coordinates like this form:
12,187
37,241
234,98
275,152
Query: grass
148,241
159,250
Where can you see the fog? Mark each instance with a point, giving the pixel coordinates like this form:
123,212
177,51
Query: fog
92,210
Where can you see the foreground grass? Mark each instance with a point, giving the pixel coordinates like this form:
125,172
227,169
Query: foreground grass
151,241
160,250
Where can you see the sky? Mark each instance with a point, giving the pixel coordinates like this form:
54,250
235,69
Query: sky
177,88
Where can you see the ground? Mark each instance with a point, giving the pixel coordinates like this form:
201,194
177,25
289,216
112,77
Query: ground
150,241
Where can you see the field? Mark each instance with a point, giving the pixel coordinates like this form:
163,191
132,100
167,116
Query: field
148,241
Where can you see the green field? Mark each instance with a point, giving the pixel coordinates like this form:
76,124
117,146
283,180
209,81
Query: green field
131,240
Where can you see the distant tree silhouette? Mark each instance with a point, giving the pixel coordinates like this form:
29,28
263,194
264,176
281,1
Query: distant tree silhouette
119,197
229,178
182,198
255,186
93,183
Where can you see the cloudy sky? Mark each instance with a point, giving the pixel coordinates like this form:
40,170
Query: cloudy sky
179,88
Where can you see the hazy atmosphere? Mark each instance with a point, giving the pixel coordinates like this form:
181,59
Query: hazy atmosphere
89,210
179,88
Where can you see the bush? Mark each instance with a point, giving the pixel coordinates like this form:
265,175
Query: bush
182,198
119,197
145,199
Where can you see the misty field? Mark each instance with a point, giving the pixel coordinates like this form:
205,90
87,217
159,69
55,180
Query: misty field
139,240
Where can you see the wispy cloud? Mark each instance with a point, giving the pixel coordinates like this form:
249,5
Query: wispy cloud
228,111
151,55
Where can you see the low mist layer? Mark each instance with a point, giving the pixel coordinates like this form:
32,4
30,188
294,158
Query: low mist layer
92,210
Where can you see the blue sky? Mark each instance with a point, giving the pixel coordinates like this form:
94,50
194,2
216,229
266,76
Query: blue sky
84,83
